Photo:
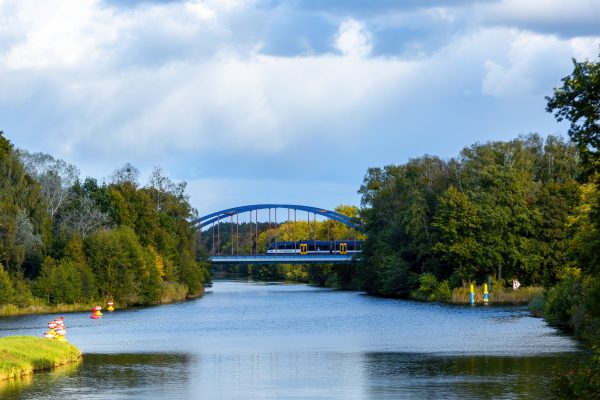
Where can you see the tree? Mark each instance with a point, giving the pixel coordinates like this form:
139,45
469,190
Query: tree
163,189
59,282
460,226
578,101
25,235
54,175
23,217
127,173
85,217
6,287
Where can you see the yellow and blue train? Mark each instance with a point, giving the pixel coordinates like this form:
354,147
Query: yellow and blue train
316,247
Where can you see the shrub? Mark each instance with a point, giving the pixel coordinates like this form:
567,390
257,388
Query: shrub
428,286
581,383
59,282
562,300
443,292
6,287
536,306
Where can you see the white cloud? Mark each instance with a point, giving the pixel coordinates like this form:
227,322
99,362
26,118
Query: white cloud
178,83
210,193
533,64
264,104
210,9
569,18
353,39
546,9
55,33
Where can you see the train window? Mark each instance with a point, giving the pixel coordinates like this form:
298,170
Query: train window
303,248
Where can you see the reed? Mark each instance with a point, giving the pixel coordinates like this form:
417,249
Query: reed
173,291
523,295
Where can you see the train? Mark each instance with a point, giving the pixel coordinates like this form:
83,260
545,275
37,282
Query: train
316,247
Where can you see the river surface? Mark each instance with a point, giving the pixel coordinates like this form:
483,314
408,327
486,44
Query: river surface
246,340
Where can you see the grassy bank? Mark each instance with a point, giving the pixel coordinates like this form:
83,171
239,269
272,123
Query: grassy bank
11,310
22,355
523,295
173,292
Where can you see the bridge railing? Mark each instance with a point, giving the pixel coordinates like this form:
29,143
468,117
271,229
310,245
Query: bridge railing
282,259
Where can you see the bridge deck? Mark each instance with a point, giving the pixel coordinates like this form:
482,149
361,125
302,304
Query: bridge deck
283,259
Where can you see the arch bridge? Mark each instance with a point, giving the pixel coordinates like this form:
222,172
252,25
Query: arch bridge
289,257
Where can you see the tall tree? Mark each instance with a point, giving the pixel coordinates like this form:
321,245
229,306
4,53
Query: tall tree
460,227
23,219
578,101
55,177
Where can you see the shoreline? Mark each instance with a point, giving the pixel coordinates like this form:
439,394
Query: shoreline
23,355
459,296
10,310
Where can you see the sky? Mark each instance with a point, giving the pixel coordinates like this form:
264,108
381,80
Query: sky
273,101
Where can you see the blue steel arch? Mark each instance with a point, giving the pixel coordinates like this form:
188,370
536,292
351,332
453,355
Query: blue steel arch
219,215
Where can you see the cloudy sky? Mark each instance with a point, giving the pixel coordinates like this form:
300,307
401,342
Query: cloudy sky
280,101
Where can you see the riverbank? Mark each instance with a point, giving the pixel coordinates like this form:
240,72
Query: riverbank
174,294
23,355
428,291
522,296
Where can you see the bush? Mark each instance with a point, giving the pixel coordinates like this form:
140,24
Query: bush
536,306
59,282
428,286
22,295
432,290
6,287
562,300
396,277
443,292
580,383
192,275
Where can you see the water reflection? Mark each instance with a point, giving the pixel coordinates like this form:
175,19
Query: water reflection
296,375
109,376
411,376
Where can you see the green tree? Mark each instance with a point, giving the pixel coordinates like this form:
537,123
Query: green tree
459,227
59,282
6,287
578,101
24,224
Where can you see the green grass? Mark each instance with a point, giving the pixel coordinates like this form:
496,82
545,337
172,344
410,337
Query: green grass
22,355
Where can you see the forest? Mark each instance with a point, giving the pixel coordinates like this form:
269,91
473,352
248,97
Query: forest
68,241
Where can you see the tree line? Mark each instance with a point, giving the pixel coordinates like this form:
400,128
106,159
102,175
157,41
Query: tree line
499,209
67,241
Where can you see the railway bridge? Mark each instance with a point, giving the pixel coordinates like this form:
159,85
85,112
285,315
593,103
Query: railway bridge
308,250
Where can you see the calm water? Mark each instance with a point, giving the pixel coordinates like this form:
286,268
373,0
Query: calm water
276,341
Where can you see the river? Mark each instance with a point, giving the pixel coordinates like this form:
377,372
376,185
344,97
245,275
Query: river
246,340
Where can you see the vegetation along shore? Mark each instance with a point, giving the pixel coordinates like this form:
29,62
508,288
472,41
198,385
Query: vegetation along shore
67,243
